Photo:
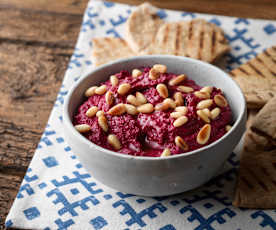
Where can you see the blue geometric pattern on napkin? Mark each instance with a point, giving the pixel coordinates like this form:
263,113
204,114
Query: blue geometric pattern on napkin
58,189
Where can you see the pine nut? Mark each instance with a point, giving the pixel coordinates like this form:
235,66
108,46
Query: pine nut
103,123
220,100
170,102
207,89
178,98
181,143
117,110
228,127
114,80
153,74
91,111
162,90
215,112
204,134
185,89
114,141
166,152
207,112
101,90
90,91
124,88
146,108
176,114
162,106
203,116
132,100
109,98
160,68
141,98
182,109
204,104
177,80
136,73
180,121
83,128
100,113
202,95
130,109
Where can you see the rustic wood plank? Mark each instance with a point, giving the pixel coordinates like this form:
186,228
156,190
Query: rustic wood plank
59,30
28,86
237,8
35,47
60,6
36,40
9,185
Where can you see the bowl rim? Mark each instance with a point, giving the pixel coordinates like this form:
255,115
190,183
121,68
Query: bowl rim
67,121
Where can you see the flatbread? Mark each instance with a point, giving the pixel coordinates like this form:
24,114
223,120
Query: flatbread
197,39
256,186
257,78
108,49
265,121
251,114
142,26
254,141
256,91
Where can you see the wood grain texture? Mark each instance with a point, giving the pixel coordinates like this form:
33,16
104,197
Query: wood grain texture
35,48
38,28
27,91
37,38
58,6
238,8
9,185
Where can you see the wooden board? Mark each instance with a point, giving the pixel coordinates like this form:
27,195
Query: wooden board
9,185
238,8
35,48
36,40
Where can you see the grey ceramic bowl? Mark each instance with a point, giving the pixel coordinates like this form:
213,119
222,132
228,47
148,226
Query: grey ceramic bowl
151,176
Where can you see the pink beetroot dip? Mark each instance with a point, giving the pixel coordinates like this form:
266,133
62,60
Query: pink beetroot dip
149,134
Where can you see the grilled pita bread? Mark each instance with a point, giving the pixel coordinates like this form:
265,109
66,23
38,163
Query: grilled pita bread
196,39
256,186
265,121
253,141
108,49
257,174
257,78
142,26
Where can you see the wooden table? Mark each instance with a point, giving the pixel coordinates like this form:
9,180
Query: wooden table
37,38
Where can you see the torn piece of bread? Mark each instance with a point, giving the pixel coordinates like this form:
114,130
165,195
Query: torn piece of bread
142,26
257,78
108,49
256,186
265,122
197,39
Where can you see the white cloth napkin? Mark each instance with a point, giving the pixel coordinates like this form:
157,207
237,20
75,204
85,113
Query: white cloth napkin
58,193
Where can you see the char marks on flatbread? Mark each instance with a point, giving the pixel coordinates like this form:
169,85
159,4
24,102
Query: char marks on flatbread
265,121
108,49
253,141
142,26
257,78
256,186
196,39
